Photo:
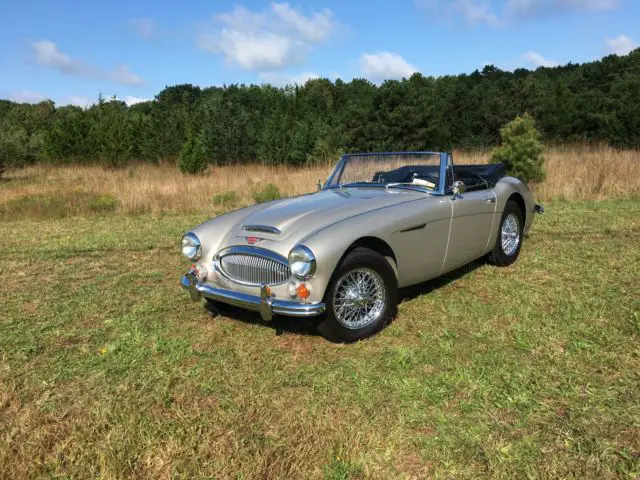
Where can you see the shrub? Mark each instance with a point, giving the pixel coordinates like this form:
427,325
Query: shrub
226,199
103,203
192,159
13,147
266,193
521,150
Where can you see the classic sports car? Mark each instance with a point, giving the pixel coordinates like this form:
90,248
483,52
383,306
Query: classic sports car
381,221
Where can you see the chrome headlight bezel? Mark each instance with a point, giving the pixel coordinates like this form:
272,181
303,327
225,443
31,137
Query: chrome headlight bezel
191,246
302,262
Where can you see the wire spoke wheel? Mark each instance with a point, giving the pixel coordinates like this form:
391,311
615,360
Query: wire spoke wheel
510,234
359,298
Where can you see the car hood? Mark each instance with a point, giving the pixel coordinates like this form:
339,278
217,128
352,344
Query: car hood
300,216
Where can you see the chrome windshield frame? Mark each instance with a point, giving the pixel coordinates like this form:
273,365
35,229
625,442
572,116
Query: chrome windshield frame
339,169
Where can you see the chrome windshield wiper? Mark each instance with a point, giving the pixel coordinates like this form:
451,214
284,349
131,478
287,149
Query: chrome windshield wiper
361,184
409,185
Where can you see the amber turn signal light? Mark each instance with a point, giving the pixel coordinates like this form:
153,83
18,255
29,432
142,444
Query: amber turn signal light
303,291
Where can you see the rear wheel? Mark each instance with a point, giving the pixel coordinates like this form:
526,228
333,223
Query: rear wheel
361,299
509,240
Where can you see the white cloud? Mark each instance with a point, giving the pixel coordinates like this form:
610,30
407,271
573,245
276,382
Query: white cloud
279,79
537,60
131,100
313,29
26,96
266,41
253,51
48,54
144,27
621,45
384,66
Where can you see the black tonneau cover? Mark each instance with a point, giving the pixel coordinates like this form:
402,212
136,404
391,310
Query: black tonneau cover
473,174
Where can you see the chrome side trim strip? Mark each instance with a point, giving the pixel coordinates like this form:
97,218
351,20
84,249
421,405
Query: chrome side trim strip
255,303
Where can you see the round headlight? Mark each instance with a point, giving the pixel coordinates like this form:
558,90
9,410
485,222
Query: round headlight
191,246
302,262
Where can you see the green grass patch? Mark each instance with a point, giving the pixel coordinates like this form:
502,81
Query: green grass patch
108,370
225,199
266,193
103,203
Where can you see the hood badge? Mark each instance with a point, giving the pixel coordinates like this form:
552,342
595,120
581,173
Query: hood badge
252,240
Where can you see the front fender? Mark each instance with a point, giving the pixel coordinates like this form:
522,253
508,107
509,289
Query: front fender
399,226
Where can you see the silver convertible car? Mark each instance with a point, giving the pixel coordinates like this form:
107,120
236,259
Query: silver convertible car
382,221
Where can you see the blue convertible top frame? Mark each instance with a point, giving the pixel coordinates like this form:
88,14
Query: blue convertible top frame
445,161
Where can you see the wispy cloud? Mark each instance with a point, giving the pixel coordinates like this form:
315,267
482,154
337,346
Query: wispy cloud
131,100
477,12
48,54
145,27
382,66
79,101
537,60
268,40
526,9
621,45
26,96
280,79
474,12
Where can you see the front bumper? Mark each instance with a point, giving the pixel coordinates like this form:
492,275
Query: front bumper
266,305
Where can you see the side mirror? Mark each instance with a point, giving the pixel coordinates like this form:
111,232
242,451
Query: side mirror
457,188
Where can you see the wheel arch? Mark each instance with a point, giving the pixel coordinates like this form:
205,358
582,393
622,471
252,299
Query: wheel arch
377,245
519,200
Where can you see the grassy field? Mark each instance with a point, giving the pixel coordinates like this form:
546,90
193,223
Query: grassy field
108,370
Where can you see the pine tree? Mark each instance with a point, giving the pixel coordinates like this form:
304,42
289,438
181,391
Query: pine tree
192,159
521,150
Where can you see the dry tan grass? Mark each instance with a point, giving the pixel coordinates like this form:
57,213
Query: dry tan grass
573,173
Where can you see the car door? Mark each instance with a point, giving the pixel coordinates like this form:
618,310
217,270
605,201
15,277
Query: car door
471,221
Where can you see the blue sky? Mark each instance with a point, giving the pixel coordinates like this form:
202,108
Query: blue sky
71,51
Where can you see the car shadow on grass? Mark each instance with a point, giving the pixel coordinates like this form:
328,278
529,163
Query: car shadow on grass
307,326
409,293
281,324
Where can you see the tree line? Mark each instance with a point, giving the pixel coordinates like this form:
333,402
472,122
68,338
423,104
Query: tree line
295,125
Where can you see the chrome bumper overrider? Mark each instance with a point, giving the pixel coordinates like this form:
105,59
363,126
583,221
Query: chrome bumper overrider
266,305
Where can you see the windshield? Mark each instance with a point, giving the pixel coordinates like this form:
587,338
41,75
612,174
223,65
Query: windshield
409,170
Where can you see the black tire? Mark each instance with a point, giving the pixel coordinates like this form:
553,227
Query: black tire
498,255
360,260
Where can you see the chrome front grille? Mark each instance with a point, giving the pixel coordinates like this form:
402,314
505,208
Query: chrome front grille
253,266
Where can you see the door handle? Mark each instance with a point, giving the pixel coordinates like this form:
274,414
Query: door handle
490,200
